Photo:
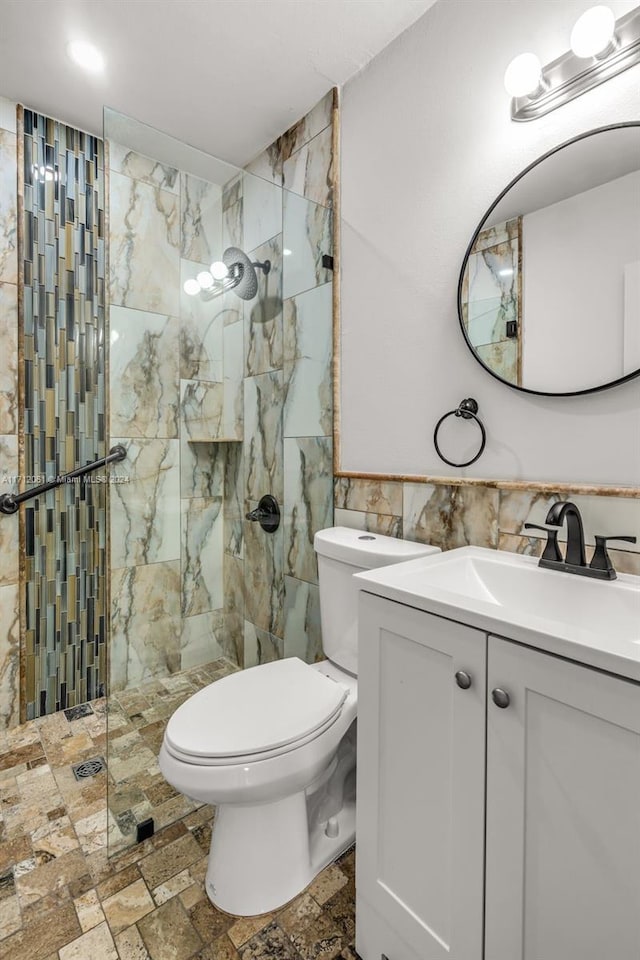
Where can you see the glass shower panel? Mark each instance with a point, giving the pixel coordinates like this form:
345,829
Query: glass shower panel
176,404
221,326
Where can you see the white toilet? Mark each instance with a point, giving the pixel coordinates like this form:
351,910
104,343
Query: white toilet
273,747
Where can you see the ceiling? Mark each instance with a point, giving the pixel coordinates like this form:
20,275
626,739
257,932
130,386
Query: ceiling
227,76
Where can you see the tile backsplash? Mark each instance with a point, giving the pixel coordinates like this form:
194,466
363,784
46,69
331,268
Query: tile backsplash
455,515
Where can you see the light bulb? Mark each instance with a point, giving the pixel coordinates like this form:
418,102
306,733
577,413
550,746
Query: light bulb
86,56
191,287
205,280
523,76
593,32
219,270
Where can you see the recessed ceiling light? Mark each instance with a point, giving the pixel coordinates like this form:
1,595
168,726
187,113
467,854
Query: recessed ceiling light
86,56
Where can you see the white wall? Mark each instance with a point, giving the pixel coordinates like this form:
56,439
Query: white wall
573,284
427,144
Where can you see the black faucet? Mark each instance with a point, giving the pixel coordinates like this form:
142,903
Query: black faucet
575,560
575,531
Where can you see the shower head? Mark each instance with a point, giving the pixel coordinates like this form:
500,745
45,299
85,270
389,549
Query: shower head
241,273
239,276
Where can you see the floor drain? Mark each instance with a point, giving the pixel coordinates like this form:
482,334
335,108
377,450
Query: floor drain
82,710
88,768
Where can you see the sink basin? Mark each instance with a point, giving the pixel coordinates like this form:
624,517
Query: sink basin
509,594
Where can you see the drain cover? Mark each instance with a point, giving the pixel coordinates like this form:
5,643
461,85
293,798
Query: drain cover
88,768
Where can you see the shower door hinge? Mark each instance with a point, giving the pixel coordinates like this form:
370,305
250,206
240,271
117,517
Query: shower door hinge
512,328
327,261
144,830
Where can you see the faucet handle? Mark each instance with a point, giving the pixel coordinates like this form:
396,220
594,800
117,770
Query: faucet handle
601,559
551,550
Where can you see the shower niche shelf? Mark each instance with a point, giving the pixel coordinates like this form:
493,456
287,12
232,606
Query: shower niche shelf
217,440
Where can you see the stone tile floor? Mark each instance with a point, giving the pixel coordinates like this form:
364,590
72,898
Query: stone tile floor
136,722
63,898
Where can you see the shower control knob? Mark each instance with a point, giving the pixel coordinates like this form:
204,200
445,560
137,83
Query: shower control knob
267,514
463,679
501,698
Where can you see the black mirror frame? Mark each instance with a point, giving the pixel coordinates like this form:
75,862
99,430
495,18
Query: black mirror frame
523,173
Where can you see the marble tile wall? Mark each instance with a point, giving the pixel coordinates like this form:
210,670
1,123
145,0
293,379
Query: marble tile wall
254,376
167,407
9,556
451,516
288,446
491,297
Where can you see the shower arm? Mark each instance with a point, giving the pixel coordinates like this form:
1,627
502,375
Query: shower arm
10,502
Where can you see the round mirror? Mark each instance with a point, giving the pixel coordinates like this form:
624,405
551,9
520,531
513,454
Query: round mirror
549,292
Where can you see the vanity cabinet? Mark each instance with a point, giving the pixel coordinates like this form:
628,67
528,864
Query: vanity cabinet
421,769
554,747
563,810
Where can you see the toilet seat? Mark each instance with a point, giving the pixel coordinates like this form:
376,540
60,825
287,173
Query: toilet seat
255,714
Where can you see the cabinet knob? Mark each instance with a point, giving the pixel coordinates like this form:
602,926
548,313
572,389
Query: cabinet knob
500,697
463,679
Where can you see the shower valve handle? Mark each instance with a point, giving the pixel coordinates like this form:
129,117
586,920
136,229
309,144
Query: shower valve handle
267,514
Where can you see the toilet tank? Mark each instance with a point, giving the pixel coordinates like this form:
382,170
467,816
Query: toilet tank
341,553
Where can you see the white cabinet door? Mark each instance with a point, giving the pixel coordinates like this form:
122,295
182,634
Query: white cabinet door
563,810
421,765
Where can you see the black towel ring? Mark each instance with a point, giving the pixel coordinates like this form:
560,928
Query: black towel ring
468,410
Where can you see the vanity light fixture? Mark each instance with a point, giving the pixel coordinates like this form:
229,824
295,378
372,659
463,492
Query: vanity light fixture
523,76
593,33
601,47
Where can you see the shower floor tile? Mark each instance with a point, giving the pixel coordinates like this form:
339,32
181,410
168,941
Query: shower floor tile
63,898
137,720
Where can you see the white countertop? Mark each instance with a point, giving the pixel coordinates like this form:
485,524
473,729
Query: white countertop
594,622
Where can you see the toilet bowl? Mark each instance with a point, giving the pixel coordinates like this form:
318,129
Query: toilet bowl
273,747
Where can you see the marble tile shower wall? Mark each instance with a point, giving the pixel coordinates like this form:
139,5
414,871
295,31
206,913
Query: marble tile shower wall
166,407
450,516
288,446
9,555
491,298
218,403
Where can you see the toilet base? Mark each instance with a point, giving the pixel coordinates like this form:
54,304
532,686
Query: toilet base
262,855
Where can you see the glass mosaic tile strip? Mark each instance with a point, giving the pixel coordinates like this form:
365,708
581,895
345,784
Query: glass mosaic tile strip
63,323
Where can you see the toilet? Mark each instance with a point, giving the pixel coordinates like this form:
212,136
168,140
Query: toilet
273,747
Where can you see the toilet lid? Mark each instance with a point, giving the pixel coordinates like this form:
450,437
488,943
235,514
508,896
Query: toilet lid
255,710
